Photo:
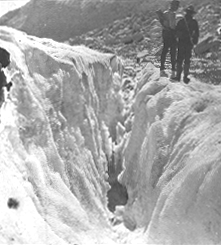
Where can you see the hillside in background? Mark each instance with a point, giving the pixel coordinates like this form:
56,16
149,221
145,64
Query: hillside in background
60,19
127,28
137,39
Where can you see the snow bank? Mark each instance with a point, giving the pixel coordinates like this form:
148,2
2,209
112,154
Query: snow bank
172,162
53,166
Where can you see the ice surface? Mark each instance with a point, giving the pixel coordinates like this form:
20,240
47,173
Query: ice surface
60,125
172,162
52,159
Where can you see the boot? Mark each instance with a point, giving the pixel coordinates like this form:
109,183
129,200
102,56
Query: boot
186,80
163,73
186,73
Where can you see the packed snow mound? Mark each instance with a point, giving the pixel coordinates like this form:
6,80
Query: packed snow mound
53,164
172,162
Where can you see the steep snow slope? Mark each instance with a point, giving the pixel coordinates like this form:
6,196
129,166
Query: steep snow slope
53,168
173,162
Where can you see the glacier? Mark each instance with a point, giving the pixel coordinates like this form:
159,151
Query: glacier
52,153
64,122
172,162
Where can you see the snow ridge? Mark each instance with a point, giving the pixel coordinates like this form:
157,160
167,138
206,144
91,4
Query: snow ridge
172,162
51,143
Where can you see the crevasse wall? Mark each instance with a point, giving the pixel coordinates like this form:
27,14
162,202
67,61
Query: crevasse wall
52,153
172,162
56,134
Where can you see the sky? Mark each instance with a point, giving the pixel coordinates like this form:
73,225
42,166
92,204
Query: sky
7,5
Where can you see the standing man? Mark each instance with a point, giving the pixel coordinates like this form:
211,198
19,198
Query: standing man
4,62
169,37
187,31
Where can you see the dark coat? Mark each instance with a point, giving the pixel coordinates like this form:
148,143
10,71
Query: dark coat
187,31
4,57
3,80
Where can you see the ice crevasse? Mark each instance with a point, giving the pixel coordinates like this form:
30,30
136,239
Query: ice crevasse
55,142
53,171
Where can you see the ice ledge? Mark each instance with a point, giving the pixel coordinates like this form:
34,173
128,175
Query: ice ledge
53,165
172,161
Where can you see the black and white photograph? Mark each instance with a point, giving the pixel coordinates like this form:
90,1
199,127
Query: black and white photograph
110,122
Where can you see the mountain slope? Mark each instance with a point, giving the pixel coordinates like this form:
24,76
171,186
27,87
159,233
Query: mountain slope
64,19
61,20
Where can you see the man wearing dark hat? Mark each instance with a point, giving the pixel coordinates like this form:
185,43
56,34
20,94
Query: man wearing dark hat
169,37
187,31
